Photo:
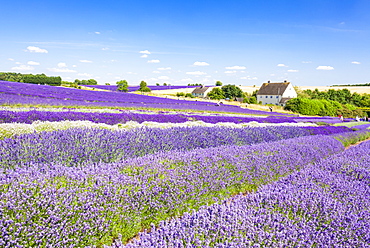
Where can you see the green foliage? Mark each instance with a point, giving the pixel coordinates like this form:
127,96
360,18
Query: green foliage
144,87
86,82
122,86
216,94
343,96
218,83
189,95
178,94
321,107
231,91
30,78
253,100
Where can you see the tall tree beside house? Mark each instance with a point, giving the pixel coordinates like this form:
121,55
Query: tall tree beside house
231,91
122,86
144,87
218,83
216,94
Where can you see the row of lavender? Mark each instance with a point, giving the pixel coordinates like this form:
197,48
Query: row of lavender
12,93
324,205
7,116
80,146
53,205
135,88
115,118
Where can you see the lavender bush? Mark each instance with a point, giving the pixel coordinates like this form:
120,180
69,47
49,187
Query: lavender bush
323,205
47,205
77,146
58,96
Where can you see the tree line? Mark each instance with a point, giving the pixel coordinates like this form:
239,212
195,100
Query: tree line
30,78
329,103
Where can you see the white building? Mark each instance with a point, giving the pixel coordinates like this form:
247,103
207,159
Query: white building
276,93
201,91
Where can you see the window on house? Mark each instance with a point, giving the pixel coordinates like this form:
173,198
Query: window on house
270,96
267,96
277,96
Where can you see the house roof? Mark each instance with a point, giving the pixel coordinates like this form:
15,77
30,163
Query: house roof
273,88
200,90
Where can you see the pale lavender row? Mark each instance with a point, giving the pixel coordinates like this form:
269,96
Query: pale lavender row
115,118
57,206
84,146
324,205
12,93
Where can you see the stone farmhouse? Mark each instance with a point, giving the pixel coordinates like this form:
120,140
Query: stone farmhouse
201,91
276,93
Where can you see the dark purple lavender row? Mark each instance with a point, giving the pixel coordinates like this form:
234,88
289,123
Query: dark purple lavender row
13,93
135,88
323,205
57,206
115,118
78,146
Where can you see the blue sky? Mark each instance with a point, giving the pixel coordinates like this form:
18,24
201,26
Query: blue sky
307,42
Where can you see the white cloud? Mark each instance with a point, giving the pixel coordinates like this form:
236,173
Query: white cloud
34,49
230,72
144,56
84,75
198,63
282,65
62,65
156,72
236,67
10,59
74,66
145,52
163,78
249,78
306,62
33,63
154,61
85,61
60,70
355,62
292,70
97,32
325,68
164,68
18,63
105,48
23,68
186,80
196,73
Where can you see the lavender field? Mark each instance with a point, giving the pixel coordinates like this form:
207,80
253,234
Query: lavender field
76,176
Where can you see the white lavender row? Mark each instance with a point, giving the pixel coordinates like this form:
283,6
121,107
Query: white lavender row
8,130
78,146
324,205
57,206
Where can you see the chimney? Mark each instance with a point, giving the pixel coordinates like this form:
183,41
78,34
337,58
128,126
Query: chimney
268,81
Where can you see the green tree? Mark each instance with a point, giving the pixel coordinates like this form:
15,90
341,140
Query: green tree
253,100
218,83
231,91
144,87
122,85
216,94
